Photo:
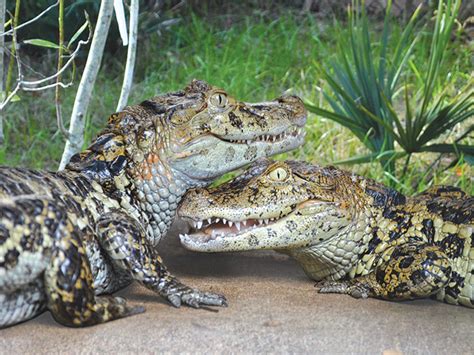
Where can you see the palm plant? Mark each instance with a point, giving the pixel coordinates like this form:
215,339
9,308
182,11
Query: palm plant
363,83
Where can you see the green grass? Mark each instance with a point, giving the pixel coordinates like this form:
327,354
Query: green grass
254,59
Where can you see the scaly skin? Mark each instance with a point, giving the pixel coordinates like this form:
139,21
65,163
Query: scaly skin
92,228
351,234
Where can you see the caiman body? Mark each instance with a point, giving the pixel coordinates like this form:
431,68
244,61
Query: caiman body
67,237
351,234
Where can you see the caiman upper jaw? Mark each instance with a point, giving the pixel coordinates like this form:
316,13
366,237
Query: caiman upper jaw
291,132
214,224
289,108
289,230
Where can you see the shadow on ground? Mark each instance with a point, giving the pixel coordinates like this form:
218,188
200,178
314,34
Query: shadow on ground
272,307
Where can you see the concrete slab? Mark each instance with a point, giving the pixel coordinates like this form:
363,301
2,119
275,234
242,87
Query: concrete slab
272,308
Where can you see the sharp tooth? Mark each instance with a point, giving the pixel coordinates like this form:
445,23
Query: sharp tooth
209,221
237,224
266,220
274,138
260,221
199,224
194,224
224,221
217,220
244,222
231,223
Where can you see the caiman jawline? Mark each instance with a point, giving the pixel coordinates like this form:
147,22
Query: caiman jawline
215,227
291,132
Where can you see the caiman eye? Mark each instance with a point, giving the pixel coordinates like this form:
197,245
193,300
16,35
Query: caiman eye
218,100
279,174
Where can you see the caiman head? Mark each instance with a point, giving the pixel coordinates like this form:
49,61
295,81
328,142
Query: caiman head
277,205
200,132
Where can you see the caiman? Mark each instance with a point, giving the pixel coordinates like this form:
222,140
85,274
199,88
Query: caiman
351,234
68,236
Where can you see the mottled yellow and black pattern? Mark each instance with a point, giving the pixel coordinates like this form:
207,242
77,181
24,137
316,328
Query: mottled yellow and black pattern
70,236
351,234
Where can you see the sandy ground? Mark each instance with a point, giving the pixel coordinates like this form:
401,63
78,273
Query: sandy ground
273,307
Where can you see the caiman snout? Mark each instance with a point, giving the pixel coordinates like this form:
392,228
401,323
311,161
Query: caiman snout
188,204
295,105
291,100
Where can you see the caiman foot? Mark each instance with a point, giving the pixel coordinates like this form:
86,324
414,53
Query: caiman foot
125,242
182,294
355,289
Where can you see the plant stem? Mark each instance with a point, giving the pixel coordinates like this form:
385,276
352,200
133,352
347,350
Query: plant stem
16,17
405,167
2,49
57,98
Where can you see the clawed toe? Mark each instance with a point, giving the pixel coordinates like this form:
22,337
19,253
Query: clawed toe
342,287
330,287
195,298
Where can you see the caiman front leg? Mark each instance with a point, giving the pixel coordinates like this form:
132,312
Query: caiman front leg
413,271
69,286
125,243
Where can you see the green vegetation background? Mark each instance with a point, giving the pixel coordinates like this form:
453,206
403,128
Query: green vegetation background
254,57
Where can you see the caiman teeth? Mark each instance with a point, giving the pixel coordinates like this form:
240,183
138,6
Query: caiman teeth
218,227
271,138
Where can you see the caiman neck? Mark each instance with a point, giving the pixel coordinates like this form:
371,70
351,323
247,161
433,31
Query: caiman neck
143,183
333,257
158,189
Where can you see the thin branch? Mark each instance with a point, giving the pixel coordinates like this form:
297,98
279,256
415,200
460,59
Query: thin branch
10,96
10,32
120,17
34,85
131,55
58,73
53,85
